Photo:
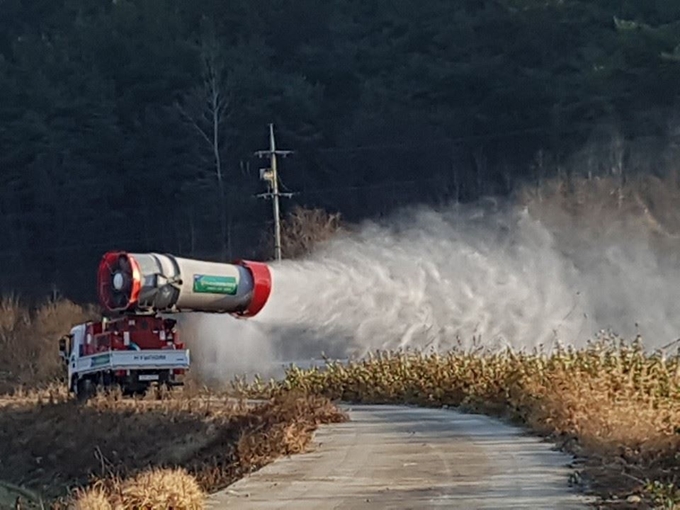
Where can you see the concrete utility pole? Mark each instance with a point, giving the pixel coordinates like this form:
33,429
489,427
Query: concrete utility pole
271,176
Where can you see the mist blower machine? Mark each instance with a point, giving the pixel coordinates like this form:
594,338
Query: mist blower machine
138,344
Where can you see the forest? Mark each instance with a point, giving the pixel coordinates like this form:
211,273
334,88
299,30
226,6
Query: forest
133,124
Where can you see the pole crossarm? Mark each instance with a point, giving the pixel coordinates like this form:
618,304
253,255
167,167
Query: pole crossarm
267,154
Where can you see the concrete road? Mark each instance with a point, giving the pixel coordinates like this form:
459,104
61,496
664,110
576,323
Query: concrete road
400,457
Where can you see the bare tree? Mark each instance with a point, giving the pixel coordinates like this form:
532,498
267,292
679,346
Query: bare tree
303,231
207,108
617,151
481,168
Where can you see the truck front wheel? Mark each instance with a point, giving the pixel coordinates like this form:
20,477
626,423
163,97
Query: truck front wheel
85,389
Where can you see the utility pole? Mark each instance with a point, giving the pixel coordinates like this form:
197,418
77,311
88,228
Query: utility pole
271,176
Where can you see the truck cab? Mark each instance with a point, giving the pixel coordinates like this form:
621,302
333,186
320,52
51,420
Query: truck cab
70,346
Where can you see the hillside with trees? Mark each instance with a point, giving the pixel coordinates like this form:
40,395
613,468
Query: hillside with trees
133,124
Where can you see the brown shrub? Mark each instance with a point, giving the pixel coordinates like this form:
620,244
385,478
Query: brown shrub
148,490
160,488
303,230
29,353
286,432
92,498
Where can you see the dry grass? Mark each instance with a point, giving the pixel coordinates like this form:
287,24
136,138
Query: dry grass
92,498
286,431
50,444
611,404
29,353
151,489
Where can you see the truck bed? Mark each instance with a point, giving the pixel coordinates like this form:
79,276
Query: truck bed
153,359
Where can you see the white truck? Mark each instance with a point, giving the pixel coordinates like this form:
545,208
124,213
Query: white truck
131,352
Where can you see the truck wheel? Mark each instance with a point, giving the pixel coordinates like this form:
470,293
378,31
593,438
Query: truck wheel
85,389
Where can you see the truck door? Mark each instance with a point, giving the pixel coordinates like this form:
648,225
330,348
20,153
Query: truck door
77,347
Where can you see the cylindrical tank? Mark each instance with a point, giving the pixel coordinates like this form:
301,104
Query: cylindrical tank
153,282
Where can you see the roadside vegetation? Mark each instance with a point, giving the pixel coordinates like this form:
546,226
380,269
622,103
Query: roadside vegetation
160,451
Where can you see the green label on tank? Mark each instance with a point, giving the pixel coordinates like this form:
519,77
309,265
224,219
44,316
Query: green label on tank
215,284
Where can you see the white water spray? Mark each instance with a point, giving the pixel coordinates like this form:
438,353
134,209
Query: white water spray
459,278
